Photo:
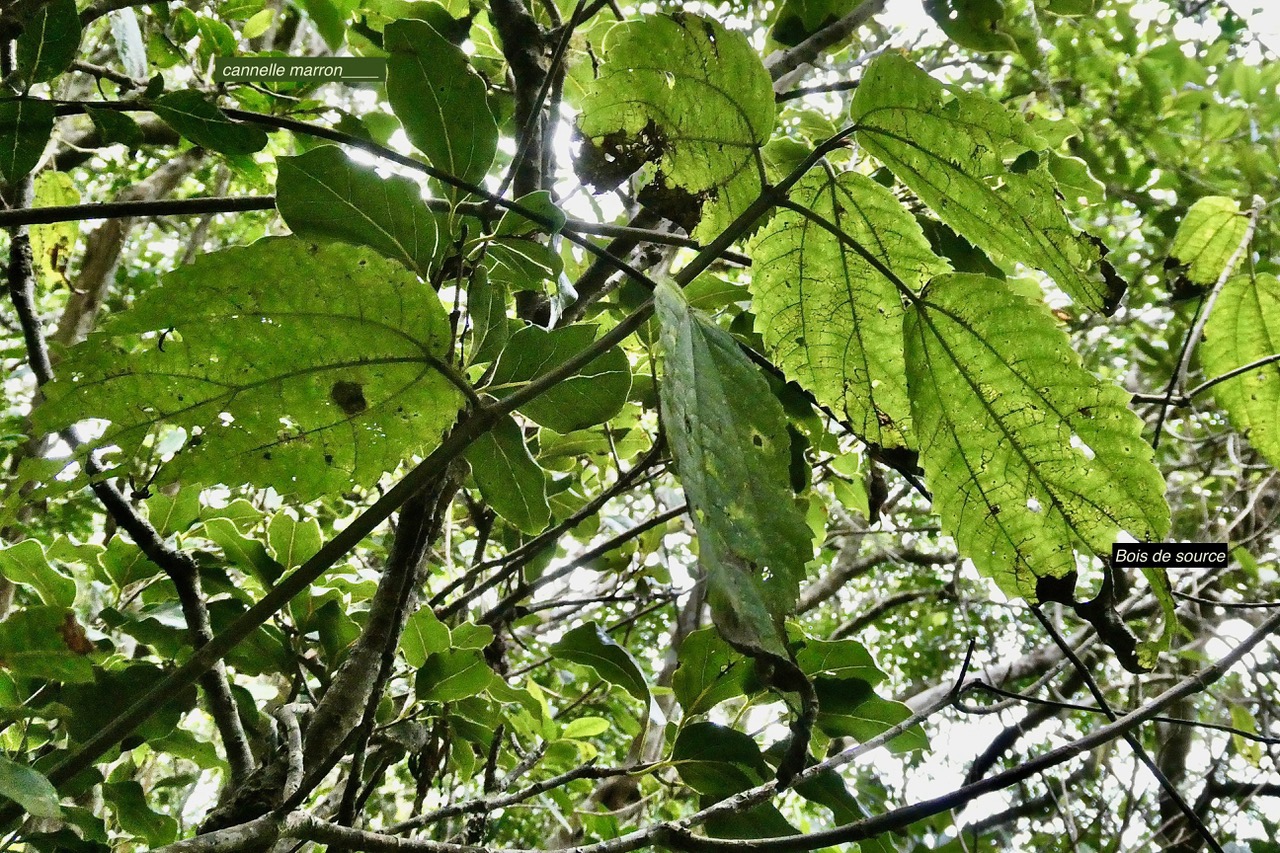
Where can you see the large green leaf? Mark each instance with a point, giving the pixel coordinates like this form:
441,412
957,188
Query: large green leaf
729,437
718,762
28,788
322,195
709,672
690,96
439,100
588,645
49,41
1208,236
45,642
831,319
509,478
1243,328
591,396
191,114
25,127
1027,452
849,708
307,368
982,170
135,815
26,563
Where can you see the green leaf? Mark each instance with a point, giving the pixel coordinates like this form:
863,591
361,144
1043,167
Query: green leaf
45,642
1243,327
293,542
25,128
510,480
1208,236
591,396
323,195
279,400
588,645
838,659
453,675
518,254
29,789
709,672
849,708
799,19
25,563
982,170
718,762
440,100
136,817
51,244
424,635
114,126
831,320
191,114
728,435
975,24
684,93
1027,453
487,308
49,41
584,727
248,555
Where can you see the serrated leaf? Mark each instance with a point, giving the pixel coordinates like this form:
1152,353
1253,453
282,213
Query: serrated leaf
194,116
1208,236
49,42
684,93
588,645
28,788
1027,453
25,127
1244,327
256,366
708,674
982,170
439,100
510,481
323,195
729,438
591,396
26,563
831,320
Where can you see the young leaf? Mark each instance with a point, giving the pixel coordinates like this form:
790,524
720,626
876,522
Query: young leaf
589,646
831,319
323,195
728,434
191,114
591,396
1208,236
982,170
28,788
683,92
1026,451
308,368
49,41
25,127
1244,327
439,100
509,478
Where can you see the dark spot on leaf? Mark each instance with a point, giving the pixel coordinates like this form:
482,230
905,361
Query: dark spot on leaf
1025,162
328,459
73,636
349,396
757,441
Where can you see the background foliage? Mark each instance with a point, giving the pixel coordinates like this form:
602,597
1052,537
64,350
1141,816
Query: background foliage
638,426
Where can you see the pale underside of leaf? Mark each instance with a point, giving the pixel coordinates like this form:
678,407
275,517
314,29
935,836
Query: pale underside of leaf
692,96
830,318
305,367
1244,328
1028,454
960,153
